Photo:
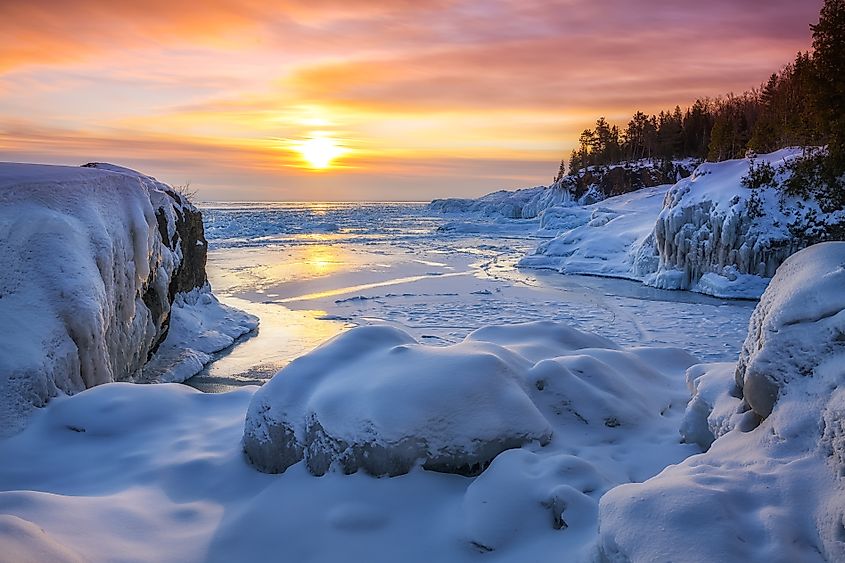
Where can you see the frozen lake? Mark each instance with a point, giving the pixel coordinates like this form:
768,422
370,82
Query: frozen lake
311,270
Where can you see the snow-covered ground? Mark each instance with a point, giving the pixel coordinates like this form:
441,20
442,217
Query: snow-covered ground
158,472
707,233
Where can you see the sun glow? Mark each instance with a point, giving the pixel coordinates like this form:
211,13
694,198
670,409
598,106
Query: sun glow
319,151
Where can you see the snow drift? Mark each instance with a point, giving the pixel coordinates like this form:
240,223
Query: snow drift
94,259
375,399
770,486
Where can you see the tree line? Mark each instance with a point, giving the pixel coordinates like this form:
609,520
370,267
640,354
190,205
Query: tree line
801,105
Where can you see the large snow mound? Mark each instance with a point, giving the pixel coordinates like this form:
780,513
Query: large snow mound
767,490
93,259
612,238
375,399
159,472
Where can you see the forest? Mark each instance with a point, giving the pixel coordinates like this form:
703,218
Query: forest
801,105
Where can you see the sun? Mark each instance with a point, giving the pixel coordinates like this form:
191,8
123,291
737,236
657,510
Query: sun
319,151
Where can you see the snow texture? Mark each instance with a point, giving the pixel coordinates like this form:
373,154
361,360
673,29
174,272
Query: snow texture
157,472
770,486
93,257
612,238
375,399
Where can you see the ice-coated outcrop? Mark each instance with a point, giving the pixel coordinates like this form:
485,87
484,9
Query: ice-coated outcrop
770,487
375,399
526,203
94,258
718,237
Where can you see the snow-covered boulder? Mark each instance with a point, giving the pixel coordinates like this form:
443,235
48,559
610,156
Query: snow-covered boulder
798,325
719,237
375,399
770,488
93,259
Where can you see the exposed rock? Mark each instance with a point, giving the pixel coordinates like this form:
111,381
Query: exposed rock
597,183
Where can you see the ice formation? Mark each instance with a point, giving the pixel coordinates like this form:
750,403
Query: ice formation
770,486
93,258
526,203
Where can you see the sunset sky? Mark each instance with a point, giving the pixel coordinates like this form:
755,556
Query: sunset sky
402,99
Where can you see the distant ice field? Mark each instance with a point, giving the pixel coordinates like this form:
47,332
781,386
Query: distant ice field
312,270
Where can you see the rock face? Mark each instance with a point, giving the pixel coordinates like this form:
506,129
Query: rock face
375,399
770,487
597,183
94,257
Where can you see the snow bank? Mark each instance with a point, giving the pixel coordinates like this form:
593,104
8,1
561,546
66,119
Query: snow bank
611,238
93,259
375,399
770,486
159,472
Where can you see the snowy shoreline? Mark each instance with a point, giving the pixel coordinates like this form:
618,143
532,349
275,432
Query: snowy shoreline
510,417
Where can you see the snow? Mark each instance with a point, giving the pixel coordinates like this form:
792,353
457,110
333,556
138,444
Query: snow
769,488
158,471
612,238
708,240
526,203
84,289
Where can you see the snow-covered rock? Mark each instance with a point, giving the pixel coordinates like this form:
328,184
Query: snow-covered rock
798,325
526,203
375,399
719,237
770,488
612,238
94,258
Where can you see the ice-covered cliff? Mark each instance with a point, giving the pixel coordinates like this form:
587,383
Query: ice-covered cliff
103,280
717,236
526,203
710,233
770,488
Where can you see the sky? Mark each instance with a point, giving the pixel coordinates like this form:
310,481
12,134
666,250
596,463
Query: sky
363,99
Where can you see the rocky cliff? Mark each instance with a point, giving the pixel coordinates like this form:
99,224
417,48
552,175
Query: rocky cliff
96,257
